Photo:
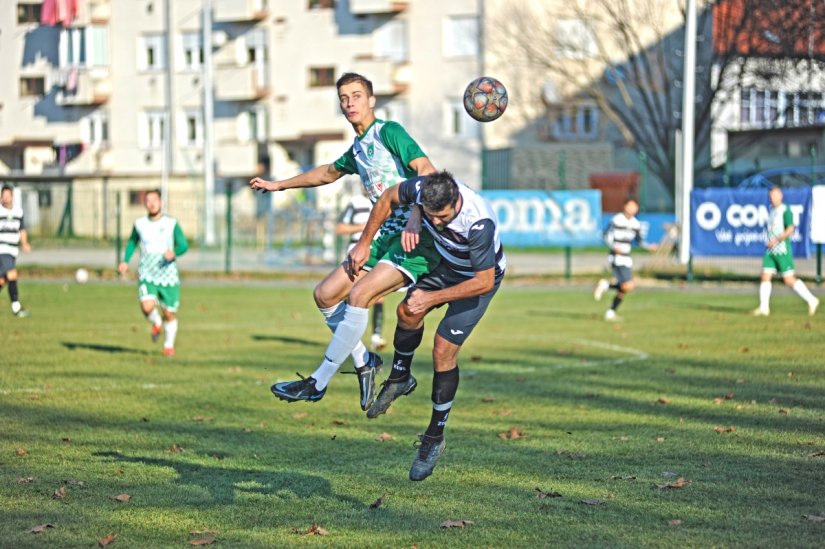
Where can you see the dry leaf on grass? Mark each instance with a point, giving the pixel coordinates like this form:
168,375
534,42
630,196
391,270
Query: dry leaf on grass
123,498
488,399
107,540
21,452
814,518
571,455
66,439
660,439
728,429
513,433
622,477
201,419
591,502
674,522
723,398
677,484
118,472
784,411
817,454
504,412
314,530
60,493
176,449
541,494
385,437
25,480
40,528
662,400
201,541
460,523
338,422
204,532
378,503
299,415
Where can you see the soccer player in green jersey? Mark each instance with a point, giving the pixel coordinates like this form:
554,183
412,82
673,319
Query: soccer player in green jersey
779,257
383,155
161,241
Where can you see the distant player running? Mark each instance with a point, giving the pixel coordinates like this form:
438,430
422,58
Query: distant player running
779,257
161,242
383,154
623,231
465,230
352,222
13,237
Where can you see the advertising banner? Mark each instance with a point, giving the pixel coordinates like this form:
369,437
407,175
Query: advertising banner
548,218
818,214
734,221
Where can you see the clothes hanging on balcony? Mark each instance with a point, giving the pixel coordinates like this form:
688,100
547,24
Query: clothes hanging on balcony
53,12
67,153
71,80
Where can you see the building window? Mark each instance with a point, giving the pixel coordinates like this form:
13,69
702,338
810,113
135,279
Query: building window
578,122
191,51
321,77
390,40
321,4
136,198
32,86
151,126
95,129
460,36
458,122
574,39
190,132
252,125
152,52
28,13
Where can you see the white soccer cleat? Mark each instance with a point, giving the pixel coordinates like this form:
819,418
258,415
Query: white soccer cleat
759,311
601,288
377,343
812,308
611,316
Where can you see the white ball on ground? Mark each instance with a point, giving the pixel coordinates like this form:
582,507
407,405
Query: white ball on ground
81,276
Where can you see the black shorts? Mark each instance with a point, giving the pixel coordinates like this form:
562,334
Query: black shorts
622,274
7,263
462,315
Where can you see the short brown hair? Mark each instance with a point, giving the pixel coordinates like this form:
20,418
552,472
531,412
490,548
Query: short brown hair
350,77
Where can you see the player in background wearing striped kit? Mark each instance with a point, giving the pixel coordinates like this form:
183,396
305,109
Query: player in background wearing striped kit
161,242
13,237
623,231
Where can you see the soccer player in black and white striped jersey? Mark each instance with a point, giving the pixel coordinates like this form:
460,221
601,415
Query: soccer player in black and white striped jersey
465,230
13,238
623,231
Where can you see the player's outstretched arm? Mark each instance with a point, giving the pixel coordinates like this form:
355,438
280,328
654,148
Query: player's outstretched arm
322,175
360,253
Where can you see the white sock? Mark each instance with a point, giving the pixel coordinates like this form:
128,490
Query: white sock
765,296
15,307
803,291
346,337
170,330
333,316
154,318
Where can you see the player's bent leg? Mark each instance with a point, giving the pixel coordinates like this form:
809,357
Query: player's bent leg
334,288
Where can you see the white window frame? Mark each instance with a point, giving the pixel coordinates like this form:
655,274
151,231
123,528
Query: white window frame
460,36
151,129
188,120
457,123
575,39
191,46
253,125
95,130
395,110
390,41
155,42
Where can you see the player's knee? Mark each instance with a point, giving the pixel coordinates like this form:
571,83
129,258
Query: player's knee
360,296
407,319
789,280
628,286
322,296
11,275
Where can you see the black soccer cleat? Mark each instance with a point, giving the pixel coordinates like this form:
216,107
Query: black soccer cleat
366,379
303,389
429,449
391,390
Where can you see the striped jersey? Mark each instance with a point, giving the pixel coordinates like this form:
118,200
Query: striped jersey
469,243
780,219
154,238
11,223
382,156
357,212
620,235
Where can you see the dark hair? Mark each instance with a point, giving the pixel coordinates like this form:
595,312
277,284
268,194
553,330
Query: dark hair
438,191
350,77
630,199
6,188
153,191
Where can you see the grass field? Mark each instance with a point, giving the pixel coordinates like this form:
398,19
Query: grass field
611,414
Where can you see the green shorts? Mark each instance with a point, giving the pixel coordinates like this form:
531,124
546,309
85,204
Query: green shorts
415,264
778,263
168,297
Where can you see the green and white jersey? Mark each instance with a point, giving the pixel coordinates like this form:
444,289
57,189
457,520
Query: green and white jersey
780,219
382,156
154,238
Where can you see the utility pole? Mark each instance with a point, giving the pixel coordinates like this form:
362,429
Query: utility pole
688,98
208,134
167,151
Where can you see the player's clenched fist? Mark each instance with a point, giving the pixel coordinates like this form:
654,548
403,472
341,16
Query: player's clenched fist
260,184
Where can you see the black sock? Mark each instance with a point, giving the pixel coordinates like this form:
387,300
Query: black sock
377,318
445,385
614,286
616,302
405,343
13,291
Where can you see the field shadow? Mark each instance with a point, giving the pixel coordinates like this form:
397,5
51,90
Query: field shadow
563,314
224,483
101,348
285,339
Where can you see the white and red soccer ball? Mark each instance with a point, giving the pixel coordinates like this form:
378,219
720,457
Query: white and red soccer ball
485,99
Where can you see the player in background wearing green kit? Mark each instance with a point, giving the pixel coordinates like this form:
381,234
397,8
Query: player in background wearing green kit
383,155
779,257
161,241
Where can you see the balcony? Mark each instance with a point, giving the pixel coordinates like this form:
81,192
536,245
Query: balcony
230,11
367,7
387,75
94,12
89,87
237,159
244,83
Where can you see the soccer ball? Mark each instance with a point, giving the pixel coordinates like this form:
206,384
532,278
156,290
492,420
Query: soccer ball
485,99
82,276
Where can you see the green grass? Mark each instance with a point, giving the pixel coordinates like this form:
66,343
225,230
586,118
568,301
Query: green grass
96,409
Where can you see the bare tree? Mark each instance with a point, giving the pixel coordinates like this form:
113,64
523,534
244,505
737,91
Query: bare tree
626,56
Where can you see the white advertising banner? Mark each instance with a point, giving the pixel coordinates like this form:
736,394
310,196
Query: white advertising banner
818,214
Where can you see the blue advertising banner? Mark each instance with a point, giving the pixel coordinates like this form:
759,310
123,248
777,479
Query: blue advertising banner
734,221
548,218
